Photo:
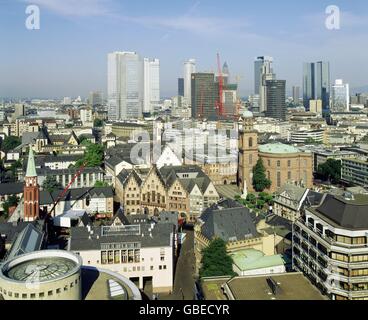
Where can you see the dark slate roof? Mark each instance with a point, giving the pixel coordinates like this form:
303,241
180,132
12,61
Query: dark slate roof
347,214
11,230
11,188
161,237
314,198
277,221
228,220
75,194
124,176
71,171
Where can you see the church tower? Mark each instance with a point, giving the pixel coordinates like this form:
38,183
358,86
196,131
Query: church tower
31,192
248,153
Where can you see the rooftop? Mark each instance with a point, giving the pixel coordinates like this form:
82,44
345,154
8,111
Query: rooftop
291,286
278,148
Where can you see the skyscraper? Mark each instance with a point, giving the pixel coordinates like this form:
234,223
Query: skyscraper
296,94
276,99
181,87
263,72
189,68
95,98
340,97
124,85
316,83
151,85
205,94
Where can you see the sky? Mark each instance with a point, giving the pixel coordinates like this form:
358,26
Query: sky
67,56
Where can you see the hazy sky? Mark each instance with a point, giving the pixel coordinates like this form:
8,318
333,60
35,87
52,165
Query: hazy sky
68,55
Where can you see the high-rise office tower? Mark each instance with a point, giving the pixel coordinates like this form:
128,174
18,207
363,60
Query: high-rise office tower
151,85
205,94
276,99
263,72
125,85
189,68
19,110
226,74
95,98
296,94
181,87
316,83
340,97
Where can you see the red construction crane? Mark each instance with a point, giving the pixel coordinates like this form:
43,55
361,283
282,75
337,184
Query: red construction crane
63,193
220,103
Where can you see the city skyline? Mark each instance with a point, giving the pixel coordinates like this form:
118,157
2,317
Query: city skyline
67,56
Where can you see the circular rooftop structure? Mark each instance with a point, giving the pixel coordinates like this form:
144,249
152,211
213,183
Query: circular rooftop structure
278,148
42,275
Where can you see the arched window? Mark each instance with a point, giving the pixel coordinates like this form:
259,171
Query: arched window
250,142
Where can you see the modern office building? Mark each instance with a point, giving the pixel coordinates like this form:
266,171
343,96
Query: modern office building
296,94
151,85
340,97
263,71
125,85
307,136
204,95
276,99
330,246
189,69
95,98
181,87
316,83
354,171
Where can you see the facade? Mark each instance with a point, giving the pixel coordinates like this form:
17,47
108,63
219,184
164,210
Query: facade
151,85
276,99
307,136
95,98
141,252
354,171
125,85
205,94
340,97
296,94
189,69
330,246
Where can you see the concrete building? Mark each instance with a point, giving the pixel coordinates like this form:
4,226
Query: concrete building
263,71
330,246
340,97
296,94
355,171
151,85
125,85
189,69
181,87
307,136
143,253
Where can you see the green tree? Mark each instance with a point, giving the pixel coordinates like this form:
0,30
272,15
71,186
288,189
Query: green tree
10,143
330,170
101,184
98,123
12,201
51,184
260,181
16,165
215,260
93,155
267,198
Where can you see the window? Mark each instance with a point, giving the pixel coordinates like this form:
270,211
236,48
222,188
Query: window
103,257
124,256
289,175
160,267
278,179
49,293
66,288
16,295
165,267
111,257
59,290
117,256
151,268
250,142
279,163
24,295
289,163
137,255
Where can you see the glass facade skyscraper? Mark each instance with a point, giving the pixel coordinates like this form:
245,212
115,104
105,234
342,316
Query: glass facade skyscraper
316,83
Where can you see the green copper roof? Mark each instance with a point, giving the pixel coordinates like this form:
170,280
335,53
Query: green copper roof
31,167
250,259
278,148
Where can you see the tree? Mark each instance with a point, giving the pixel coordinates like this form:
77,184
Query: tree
10,143
260,181
16,165
93,155
101,184
12,201
98,123
330,170
51,184
215,260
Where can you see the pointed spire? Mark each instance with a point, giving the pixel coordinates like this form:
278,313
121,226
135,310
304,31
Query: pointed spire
31,167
